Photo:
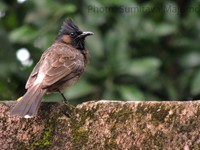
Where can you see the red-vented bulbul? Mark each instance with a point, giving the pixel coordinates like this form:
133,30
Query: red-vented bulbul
60,66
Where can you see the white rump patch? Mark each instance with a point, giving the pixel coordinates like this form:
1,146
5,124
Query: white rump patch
39,79
27,116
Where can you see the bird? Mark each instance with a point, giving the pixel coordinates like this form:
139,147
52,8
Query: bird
59,67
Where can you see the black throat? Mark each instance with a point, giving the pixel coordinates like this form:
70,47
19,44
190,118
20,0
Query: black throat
79,43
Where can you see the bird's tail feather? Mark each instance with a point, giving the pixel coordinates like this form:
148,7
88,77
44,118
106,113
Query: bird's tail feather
29,104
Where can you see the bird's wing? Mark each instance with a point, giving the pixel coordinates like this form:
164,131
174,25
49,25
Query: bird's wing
62,63
32,76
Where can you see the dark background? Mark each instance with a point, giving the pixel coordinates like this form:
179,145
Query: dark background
142,50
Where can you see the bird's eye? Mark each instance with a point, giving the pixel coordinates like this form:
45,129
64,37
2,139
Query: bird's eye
72,34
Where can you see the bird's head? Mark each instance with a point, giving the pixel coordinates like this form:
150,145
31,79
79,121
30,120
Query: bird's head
71,34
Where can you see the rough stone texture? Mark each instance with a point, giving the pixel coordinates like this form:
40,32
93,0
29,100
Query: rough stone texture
104,125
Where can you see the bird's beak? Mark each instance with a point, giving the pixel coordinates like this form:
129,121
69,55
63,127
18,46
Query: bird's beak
84,34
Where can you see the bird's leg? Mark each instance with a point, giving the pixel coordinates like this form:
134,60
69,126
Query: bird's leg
64,99
70,109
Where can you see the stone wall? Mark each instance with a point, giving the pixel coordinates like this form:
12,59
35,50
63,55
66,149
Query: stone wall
104,125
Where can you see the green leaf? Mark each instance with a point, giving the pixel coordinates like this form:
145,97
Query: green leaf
195,87
3,6
165,29
115,2
144,67
110,94
171,11
70,8
190,59
131,93
23,34
81,88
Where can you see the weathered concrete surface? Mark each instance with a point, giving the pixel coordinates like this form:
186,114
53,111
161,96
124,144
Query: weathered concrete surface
104,125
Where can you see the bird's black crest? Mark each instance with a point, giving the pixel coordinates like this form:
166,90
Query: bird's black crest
77,37
68,27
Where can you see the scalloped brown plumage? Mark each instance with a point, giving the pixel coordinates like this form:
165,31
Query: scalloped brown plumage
60,66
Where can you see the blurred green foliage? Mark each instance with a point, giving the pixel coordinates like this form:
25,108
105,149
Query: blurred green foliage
141,50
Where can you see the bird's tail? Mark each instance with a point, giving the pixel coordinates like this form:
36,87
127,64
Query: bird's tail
29,104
